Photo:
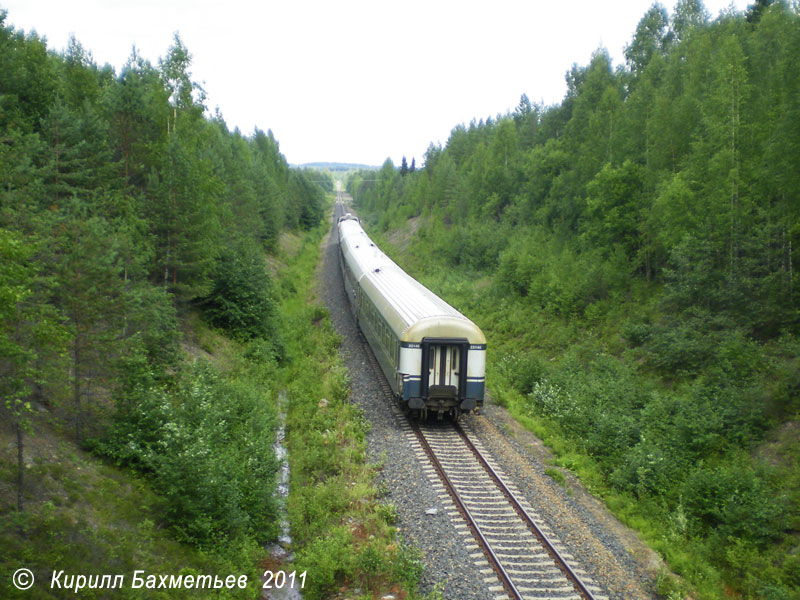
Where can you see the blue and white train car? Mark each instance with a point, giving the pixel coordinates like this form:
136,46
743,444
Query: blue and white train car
433,356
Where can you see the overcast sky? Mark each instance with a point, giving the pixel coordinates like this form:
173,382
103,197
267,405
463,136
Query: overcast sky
352,80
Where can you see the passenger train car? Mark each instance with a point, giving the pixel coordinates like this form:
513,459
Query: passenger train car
433,356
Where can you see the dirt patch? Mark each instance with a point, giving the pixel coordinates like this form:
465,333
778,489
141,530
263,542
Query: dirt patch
400,238
779,449
289,245
54,467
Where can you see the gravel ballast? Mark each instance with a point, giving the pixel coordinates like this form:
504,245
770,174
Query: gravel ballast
610,552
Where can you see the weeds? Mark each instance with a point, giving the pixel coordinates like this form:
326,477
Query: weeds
344,534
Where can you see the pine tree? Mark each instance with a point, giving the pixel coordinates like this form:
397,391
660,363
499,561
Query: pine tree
90,291
78,160
137,107
30,335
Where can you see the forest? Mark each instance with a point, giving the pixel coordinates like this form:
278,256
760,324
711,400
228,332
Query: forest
631,254
132,222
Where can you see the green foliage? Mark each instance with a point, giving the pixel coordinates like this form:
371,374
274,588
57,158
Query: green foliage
734,500
343,534
28,86
186,438
557,475
329,558
613,204
99,519
114,189
152,324
25,327
306,201
524,372
658,173
552,275
31,338
241,300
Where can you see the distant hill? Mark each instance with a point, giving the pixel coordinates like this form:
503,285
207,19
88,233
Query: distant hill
335,166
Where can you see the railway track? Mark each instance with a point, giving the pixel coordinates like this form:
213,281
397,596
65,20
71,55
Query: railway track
521,552
514,553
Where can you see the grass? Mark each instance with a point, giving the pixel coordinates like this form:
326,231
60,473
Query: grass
556,476
343,529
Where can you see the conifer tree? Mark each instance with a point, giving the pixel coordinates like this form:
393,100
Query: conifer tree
90,292
30,337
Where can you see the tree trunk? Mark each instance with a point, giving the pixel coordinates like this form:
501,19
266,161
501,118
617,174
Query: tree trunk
76,389
20,465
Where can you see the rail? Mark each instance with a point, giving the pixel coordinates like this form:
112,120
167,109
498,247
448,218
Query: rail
560,561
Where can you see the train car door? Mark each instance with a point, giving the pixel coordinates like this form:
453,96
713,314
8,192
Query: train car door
444,366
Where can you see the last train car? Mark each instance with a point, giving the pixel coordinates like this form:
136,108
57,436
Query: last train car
433,356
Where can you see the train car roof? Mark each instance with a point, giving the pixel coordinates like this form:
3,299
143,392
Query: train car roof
410,309
360,251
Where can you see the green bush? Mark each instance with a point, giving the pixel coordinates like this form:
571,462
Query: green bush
734,500
683,346
328,559
636,332
241,300
558,277
522,371
208,446
645,470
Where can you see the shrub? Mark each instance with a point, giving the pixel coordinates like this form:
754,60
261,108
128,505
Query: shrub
548,399
681,347
636,331
208,446
241,300
733,500
406,564
522,371
329,558
645,470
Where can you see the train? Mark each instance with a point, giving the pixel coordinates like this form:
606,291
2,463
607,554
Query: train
433,357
